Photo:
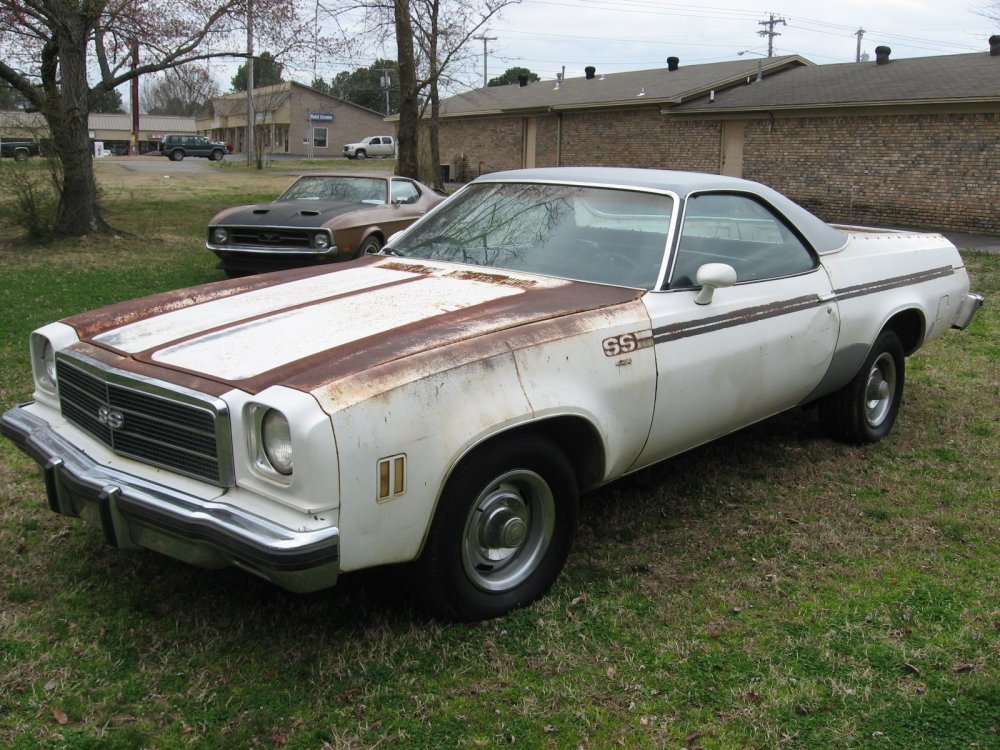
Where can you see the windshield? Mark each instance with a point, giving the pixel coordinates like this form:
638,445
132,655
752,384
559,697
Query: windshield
322,188
583,233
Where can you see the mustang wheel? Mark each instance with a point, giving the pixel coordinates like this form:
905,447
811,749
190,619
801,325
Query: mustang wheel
502,531
864,410
370,246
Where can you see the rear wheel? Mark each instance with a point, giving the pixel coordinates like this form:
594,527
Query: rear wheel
217,155
20,154
502,531
865,409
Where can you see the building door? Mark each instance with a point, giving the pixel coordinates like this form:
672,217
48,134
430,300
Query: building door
732,149
530,134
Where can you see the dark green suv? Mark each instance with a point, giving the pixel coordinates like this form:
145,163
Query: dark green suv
179,146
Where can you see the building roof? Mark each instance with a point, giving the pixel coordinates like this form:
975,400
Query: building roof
942,79
659,85
269,98
154,123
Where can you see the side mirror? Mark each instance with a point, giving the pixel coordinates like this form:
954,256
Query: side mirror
712,276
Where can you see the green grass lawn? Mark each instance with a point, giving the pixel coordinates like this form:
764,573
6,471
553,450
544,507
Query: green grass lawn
773,589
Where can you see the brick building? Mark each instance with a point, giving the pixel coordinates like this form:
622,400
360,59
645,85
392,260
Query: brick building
910,142
292,119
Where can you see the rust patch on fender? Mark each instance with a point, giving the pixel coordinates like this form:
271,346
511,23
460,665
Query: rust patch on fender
409,267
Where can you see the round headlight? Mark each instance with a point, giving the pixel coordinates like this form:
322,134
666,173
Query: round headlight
276,439
220,236
49,363
321,241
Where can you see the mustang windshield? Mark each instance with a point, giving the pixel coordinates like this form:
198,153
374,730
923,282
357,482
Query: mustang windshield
322,188
610,236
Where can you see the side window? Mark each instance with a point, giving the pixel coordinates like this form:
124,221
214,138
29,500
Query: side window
376,141
404,191
739,231
319,137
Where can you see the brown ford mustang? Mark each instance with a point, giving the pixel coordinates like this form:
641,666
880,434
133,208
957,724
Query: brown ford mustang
320,218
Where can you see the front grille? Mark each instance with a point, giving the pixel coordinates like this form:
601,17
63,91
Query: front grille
124,415
279,237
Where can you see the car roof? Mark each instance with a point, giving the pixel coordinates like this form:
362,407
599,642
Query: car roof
823,237
353,173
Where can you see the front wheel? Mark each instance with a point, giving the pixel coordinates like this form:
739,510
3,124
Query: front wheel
176,155
20,154
360,154
502,531
370,246
865,409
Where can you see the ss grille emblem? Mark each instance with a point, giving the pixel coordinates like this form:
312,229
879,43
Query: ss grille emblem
111,417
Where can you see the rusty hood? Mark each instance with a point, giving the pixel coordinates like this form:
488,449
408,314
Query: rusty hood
308,328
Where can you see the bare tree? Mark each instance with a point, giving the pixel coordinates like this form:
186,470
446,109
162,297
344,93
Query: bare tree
50,50
183,91
444,28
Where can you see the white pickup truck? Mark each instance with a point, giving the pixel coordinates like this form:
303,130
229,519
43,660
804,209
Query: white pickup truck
536,335
373,145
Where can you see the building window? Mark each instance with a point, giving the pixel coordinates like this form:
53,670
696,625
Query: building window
319,137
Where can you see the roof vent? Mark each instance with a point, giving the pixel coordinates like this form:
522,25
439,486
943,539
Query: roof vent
590,70
522,80
673,63
882,55
995,45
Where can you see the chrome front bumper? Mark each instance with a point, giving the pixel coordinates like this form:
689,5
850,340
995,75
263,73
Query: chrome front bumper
135,512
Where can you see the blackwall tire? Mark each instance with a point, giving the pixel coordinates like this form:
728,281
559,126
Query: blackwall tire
502,531
865,410
359,155
371,245
176,156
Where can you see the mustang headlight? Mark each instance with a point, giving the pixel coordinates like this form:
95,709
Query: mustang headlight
276,441
220,236
321,241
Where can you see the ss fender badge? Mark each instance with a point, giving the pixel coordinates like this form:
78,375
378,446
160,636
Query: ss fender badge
626,343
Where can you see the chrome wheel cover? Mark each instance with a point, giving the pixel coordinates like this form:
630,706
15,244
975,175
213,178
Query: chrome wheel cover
880,391
508,530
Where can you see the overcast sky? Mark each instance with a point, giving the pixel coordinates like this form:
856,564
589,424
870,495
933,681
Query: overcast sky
617,35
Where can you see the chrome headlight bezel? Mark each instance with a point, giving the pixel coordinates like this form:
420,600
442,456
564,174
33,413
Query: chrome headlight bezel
321,241
271,447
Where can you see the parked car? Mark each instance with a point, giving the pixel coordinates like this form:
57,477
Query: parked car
319,218
18,150
176,147
373,145
539,334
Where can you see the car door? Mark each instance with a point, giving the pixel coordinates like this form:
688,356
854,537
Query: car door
404,195
757,347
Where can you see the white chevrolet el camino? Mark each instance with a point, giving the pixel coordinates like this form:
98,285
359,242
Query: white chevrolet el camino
444,403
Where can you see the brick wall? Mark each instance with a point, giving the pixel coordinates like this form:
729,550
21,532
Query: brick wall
927,170
921,170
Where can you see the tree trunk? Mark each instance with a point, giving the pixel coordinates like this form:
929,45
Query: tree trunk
67,113
433,133
406,136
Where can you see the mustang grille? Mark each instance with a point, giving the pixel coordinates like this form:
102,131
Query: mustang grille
293,239
148,427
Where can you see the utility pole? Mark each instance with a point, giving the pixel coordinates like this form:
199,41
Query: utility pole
485,40
859,33
770,33
385,81
250,115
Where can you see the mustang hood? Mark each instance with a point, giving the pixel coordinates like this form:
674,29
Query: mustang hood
306,328
290,213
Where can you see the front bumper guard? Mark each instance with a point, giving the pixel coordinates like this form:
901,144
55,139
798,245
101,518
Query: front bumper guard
135,512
